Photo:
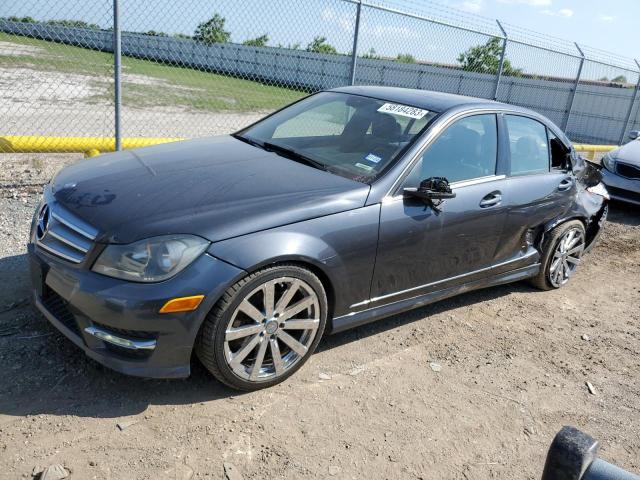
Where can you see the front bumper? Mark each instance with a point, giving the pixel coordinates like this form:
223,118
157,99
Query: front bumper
117,322
621,188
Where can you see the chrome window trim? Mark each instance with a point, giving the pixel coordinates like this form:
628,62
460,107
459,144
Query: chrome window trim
431,284
455,185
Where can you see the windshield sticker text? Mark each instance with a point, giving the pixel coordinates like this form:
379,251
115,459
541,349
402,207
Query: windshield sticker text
403,110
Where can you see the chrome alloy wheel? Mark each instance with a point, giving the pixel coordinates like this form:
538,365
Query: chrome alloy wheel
566,257
272,329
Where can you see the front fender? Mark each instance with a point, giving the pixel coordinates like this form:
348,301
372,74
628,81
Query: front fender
342,246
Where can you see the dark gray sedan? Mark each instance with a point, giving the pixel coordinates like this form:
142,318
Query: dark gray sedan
346,207
621,172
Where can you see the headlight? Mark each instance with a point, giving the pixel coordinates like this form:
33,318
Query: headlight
609,163
151,260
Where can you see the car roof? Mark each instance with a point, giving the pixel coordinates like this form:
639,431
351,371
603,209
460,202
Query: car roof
433,101
440,102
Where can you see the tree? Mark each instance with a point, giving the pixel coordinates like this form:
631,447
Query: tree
486,59
619,79
320,45
212,31
22,19
153,33
372,54
291,46
405,58
73,24
260,41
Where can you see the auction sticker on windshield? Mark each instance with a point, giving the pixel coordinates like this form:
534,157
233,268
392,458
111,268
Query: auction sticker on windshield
403,110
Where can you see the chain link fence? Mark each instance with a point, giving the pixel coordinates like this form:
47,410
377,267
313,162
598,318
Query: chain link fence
192,68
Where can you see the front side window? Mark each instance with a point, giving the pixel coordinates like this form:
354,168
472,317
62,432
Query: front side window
466,150
528,145
350,135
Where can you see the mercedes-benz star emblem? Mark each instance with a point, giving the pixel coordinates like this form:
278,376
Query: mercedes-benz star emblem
43,222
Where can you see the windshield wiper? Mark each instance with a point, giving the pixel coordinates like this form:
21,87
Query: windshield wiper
293,155
247,140
285,151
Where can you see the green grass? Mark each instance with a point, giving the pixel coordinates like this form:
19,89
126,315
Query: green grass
173,86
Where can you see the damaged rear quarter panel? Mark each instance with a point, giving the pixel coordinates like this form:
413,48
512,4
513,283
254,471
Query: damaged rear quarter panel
587,207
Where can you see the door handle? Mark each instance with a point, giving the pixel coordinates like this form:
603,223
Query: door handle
565,184
491,200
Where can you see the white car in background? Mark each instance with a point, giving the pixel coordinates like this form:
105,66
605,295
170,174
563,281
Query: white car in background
621,172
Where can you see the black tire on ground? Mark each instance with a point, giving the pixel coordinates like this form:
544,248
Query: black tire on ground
549,245
210,343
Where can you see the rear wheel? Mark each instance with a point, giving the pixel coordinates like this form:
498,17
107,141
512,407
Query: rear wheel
561,254
264,328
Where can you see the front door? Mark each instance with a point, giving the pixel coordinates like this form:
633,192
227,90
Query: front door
421,248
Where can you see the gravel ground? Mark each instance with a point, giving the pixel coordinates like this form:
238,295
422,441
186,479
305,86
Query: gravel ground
369,404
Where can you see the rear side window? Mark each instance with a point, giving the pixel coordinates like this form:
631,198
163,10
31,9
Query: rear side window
528,144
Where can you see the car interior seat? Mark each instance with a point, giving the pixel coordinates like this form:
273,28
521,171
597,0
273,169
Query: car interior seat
526,155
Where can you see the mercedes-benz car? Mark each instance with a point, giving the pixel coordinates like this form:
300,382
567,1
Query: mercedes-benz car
621,172
345,207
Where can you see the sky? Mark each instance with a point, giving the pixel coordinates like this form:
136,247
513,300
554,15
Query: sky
608,25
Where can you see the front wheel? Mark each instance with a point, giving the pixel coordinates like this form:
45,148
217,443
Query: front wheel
561,254
264,328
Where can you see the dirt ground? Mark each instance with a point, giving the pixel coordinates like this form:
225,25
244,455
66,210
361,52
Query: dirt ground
367,404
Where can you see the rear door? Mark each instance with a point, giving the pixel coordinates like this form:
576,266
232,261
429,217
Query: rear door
423,249
539,189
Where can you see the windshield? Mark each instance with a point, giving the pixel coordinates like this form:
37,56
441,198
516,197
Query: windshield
349,135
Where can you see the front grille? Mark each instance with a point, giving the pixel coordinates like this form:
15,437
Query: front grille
628,171
624,194
59,308
62,234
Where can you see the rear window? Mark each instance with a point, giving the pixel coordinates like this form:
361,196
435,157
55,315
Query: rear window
528,145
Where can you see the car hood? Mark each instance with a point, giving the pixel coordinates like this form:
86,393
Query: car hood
217,188
629,153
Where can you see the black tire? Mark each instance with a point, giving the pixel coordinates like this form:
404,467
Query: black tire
552,239
211,340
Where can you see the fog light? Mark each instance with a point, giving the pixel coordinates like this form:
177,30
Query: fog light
182,304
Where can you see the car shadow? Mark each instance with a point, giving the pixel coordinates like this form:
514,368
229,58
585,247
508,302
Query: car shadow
399,320
624,213
44,373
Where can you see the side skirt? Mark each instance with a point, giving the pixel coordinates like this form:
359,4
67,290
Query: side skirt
356,319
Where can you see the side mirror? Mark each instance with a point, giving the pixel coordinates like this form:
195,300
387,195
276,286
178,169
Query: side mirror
434,188
634,135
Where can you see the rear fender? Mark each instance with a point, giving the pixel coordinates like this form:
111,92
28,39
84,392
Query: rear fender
589,208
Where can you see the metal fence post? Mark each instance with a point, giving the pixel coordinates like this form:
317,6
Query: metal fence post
117,72
575,89
354,53
633,102
502,58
